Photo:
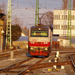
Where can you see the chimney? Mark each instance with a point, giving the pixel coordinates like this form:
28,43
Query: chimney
65,4
73,4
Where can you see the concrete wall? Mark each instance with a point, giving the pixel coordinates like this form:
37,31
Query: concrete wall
21,44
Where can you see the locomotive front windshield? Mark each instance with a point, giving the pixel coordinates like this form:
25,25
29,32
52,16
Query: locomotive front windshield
39,33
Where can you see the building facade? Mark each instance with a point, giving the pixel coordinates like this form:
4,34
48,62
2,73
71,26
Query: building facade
1,28
60,22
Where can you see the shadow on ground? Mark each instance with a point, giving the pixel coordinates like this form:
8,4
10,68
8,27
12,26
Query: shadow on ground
28,55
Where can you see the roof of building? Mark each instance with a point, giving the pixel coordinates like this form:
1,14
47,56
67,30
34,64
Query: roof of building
2,13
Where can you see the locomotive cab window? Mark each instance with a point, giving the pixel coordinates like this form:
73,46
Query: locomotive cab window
39,33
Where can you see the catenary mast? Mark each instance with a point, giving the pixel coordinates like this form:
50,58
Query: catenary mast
37,13
69,21
8,26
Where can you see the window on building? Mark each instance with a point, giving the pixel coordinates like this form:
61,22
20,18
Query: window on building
73,27
65,17
64,27
59,17
62,17
72,17
56,26
56,17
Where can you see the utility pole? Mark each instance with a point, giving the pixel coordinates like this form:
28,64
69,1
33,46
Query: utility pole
8,26
37,13
69,21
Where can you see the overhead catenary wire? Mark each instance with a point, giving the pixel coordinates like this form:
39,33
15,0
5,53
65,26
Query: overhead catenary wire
31,4
45,3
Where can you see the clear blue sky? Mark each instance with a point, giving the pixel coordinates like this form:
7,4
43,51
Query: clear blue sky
51,4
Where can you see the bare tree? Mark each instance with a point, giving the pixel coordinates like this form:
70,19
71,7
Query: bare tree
17,20
3,7
47,19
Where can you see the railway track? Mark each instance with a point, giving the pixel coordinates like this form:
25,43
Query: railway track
37,65
72,57
8,54
19,65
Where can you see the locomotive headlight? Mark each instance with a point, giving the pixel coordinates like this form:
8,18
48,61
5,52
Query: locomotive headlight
27,46
32,42
39,28
31,48
45,42
45,48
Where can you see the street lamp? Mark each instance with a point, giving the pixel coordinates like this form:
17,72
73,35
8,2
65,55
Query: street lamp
2,31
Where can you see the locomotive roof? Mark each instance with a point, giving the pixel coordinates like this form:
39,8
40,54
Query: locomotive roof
39,27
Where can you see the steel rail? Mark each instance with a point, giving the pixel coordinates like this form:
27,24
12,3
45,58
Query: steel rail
72,58
24,71
19,52
39,66
19,63
50,65
8,54
6,70
18,66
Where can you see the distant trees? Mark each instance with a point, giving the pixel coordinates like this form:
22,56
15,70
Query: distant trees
16,24
18,21
16,32
47,19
